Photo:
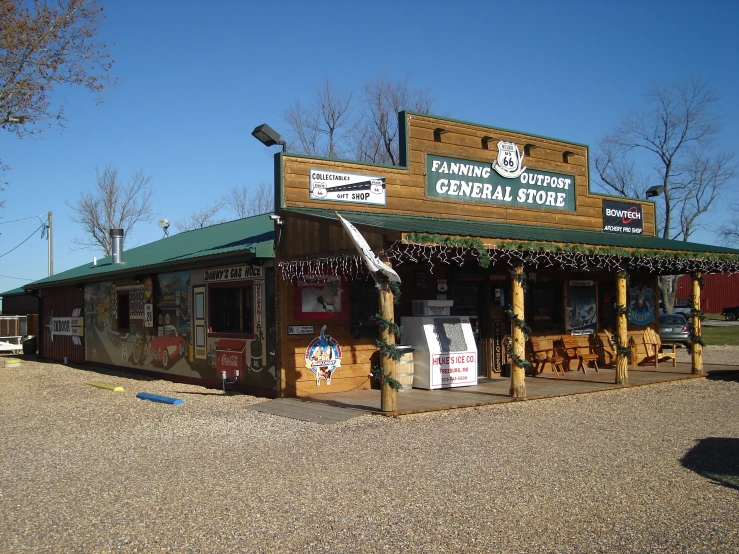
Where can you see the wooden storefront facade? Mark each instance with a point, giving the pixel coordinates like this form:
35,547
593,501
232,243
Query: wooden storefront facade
502,223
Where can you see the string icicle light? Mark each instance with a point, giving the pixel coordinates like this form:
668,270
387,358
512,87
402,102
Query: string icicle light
447,250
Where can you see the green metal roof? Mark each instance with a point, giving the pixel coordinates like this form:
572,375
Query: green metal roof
13,292
506,231
254,236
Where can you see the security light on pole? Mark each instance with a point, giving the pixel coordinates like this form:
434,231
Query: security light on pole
268,136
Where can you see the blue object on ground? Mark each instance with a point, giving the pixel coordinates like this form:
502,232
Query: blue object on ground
159,398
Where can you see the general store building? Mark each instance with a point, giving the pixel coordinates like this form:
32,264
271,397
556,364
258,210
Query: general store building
496,232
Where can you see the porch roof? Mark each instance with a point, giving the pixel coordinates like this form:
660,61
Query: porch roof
680,256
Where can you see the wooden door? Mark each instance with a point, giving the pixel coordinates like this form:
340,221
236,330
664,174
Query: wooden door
199,332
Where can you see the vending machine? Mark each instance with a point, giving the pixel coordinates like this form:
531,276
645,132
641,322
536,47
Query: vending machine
445,353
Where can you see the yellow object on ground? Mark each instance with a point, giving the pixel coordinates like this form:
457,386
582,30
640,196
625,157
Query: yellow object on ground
12,362
108,386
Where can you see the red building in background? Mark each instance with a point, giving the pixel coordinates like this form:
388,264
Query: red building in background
720,290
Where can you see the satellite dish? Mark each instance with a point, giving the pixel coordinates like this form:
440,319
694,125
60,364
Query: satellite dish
164,224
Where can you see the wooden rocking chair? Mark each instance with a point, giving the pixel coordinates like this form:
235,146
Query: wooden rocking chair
543,353
584,353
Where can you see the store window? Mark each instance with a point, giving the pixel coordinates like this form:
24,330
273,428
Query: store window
607,303
231,310
544,307
124,312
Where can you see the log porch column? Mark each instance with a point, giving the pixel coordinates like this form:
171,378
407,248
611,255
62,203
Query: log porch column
622,335
518,373
696,350
388,395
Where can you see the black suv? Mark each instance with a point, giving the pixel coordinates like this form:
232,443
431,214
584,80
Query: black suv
731,314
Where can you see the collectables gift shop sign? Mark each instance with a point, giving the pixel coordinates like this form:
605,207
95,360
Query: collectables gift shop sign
346,187
506,181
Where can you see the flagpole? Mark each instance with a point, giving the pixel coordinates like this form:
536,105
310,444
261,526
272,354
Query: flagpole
388,395
376,266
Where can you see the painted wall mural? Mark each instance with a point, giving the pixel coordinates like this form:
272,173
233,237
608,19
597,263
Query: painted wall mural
159,333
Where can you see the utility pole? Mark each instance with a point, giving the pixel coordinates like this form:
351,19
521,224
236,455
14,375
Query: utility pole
51,247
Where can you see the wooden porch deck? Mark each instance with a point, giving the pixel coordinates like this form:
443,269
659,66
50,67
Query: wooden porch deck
495,391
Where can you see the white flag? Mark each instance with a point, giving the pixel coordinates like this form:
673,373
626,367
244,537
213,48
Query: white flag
373,263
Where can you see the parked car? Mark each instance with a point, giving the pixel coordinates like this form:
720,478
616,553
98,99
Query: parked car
731,314
166,346
674,328
682,306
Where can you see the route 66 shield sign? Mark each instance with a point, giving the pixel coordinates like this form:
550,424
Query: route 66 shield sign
508,163
376,186
319,190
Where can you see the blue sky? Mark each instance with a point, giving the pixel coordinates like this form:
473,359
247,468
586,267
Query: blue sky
196,78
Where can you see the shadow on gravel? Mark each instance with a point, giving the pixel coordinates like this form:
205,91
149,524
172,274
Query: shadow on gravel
715,458
723,375
99,368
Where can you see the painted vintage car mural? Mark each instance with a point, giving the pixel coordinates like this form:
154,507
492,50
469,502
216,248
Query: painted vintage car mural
164,348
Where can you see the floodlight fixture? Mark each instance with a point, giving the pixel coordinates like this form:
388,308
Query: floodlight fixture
268,136
655,191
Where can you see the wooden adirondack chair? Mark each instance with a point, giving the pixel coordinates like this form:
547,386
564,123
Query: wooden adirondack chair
543,353
581,351
653,347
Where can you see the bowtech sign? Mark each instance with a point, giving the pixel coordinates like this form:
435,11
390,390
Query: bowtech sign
506,181
622,217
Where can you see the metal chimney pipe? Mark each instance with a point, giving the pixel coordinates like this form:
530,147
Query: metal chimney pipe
116,238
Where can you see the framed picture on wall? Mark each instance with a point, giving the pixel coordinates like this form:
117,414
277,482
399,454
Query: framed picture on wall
641,302
321,297
581,307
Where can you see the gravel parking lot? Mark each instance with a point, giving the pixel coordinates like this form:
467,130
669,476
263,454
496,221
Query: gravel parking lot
646,469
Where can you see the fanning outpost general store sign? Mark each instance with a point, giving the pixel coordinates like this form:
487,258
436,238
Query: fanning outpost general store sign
505,181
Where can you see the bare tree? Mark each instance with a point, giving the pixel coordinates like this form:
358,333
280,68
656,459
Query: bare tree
729,232
338,124
377,137
112,205
248,201
674,136
204,217
43,45
321,129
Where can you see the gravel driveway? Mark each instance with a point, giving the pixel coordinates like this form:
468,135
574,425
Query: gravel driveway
646,469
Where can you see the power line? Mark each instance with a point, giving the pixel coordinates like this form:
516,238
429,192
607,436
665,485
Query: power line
22,219
29,236
19,278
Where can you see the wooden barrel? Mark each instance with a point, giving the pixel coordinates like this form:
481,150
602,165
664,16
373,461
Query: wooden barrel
404,369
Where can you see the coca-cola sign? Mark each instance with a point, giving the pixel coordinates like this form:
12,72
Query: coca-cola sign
226,361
